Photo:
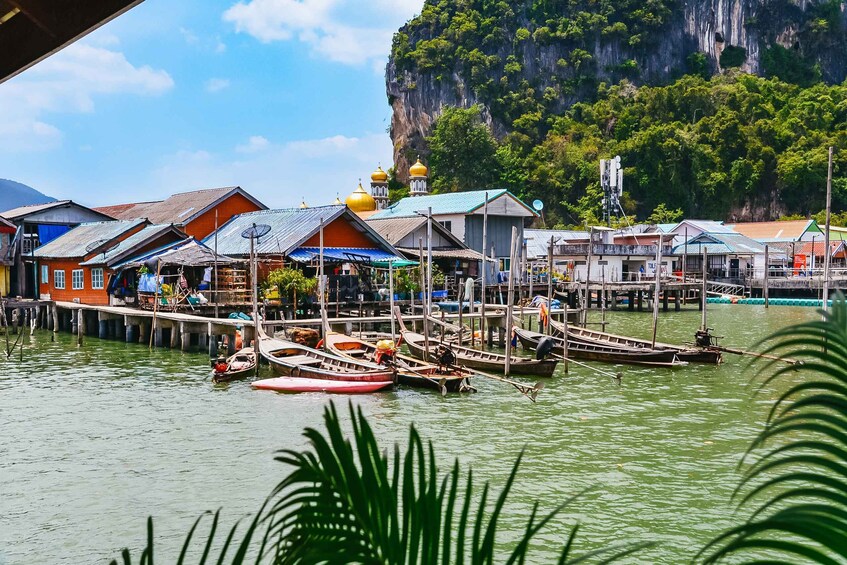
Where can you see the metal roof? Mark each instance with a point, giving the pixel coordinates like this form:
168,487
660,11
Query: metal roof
448,203
190,253
466,254
126,246
178,209
289,229
537,241
776,231
723,244
23,211
73,243
395,229
709,226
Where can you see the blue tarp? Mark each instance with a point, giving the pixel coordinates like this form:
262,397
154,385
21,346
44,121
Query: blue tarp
47,233
147,282
344,254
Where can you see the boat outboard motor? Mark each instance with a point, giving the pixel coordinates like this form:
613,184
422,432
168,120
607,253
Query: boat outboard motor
545,346
703,338
445,356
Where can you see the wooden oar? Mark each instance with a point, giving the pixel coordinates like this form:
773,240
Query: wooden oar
529,391
754,354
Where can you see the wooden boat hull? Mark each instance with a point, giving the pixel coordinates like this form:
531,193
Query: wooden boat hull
589,352
295,360
295,385
485,361
239,366
688,354
410,371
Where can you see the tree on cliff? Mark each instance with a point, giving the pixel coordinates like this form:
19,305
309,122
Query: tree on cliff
463,152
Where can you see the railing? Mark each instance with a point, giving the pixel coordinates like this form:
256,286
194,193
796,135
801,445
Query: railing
609,249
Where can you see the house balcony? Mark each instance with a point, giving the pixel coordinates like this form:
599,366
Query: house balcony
597,249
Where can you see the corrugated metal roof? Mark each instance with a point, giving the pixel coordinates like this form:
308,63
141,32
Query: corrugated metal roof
289,229
190,253
395,229
723,244
537,241
73,243
178,209
776,231
467,254
709,226
148,233
23,211
450,203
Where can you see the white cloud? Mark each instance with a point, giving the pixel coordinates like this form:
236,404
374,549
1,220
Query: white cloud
69,82
216,84
325,26
255,144
280,175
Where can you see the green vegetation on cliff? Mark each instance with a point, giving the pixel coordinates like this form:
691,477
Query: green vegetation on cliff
703,146
550,87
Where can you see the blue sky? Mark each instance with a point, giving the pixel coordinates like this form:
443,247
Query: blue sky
285,98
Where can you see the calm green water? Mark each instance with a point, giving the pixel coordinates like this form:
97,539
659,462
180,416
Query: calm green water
95,439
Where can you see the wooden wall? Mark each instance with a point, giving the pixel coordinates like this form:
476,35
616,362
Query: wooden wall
204,224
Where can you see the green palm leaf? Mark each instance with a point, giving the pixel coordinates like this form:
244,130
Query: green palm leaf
345,501
798,488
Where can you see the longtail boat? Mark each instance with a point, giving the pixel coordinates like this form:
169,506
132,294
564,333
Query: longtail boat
482,360
585,335
607,354
410,371
294,384
295,360
237,366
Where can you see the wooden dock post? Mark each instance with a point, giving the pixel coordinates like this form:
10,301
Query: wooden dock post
157,335
80,314
130,333
102,325
640,304
55,319
676,300
765,280
184,337
174,336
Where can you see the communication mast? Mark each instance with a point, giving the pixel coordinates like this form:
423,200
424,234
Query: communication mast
611,181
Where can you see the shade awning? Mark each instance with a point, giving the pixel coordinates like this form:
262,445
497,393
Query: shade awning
190,254
345,255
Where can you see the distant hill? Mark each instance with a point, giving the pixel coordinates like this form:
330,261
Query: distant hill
14,194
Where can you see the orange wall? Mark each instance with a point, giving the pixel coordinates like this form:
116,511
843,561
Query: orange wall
204,224
86,295
341,234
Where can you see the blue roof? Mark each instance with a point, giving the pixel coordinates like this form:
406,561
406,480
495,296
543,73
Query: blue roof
345,254
448,203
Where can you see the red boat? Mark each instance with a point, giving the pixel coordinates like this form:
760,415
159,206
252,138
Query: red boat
295,384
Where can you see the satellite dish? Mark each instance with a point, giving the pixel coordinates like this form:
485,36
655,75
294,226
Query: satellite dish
95,244
538,205
256,230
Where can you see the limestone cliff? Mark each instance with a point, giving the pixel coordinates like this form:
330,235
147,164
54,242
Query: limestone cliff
528,56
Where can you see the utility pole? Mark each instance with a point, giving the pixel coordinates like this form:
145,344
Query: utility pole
826,260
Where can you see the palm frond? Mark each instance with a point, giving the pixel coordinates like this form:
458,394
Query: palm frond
798,488
342,499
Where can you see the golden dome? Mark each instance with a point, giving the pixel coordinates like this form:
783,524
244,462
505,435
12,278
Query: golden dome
418,169
379,175
303,205
360,200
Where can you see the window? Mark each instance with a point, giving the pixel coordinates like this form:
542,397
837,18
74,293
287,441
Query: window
77,279
45,274
447,224
96,279
59,280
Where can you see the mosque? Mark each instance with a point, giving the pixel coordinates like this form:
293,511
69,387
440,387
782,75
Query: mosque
366,204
